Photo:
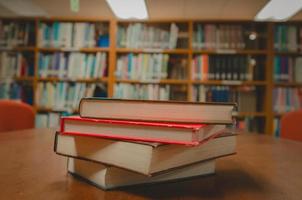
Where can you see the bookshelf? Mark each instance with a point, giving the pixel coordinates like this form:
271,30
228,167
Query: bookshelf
178,49
287,71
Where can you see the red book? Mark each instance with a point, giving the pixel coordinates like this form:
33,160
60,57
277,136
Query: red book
162,132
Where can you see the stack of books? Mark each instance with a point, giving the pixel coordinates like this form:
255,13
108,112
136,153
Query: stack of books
115,143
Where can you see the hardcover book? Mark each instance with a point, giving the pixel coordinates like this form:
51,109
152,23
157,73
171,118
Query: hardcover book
163,132
165,111
142,157
108,177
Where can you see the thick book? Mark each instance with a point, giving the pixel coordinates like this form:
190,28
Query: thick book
142,157
109,177
162,132
149,110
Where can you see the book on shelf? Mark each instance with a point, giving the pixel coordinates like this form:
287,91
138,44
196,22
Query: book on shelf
73,65
73,35
13,64
285,38
16,33
218,67
150,90
245,97
287,69
218,36
286,99
150,67
109,177
167,132
17,91
48,120
165,111
251,124
139,35
142,157
65,95
276,129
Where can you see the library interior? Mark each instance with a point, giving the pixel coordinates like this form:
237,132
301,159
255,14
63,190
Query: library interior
174,72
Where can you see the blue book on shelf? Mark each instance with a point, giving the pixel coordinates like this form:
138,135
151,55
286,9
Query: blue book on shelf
103,41
56,30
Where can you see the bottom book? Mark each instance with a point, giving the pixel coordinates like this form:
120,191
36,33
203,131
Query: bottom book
109,177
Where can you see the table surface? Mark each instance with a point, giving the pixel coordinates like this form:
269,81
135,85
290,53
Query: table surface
263,168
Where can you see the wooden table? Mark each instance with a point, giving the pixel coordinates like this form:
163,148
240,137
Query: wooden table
264,168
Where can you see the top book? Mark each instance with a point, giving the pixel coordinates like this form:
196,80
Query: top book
164,111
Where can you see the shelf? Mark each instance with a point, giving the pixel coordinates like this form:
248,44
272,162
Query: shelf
24,78
84,50
288,84
231,51
249,114
162,81
73,19
29,48
230,82
288,53
146,50
40,109
91,80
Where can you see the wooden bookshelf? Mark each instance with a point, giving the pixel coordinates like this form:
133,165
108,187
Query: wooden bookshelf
91,80
187,51
289,84
162,81
231,52
230,82
146,50
84,50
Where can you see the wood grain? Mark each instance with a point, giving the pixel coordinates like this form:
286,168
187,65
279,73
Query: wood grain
264,168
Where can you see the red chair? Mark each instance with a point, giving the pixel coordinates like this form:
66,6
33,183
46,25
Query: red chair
15,115
291,125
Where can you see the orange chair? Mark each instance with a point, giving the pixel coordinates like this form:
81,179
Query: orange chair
15,115
291,125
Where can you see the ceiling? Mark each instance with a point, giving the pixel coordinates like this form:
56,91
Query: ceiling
159,9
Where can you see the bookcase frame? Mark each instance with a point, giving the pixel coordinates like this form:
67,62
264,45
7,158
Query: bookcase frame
112,52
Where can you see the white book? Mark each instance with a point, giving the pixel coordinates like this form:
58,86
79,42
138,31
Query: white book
97,64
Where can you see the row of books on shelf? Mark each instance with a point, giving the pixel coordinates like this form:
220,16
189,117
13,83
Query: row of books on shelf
17,91
251,124
150,67
245,97
276,125
287,99
14,64
205,67
73,35
145,91
14,34
73,65
48,120
288,69
139,35
167,145
214,36
287,38
64,96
